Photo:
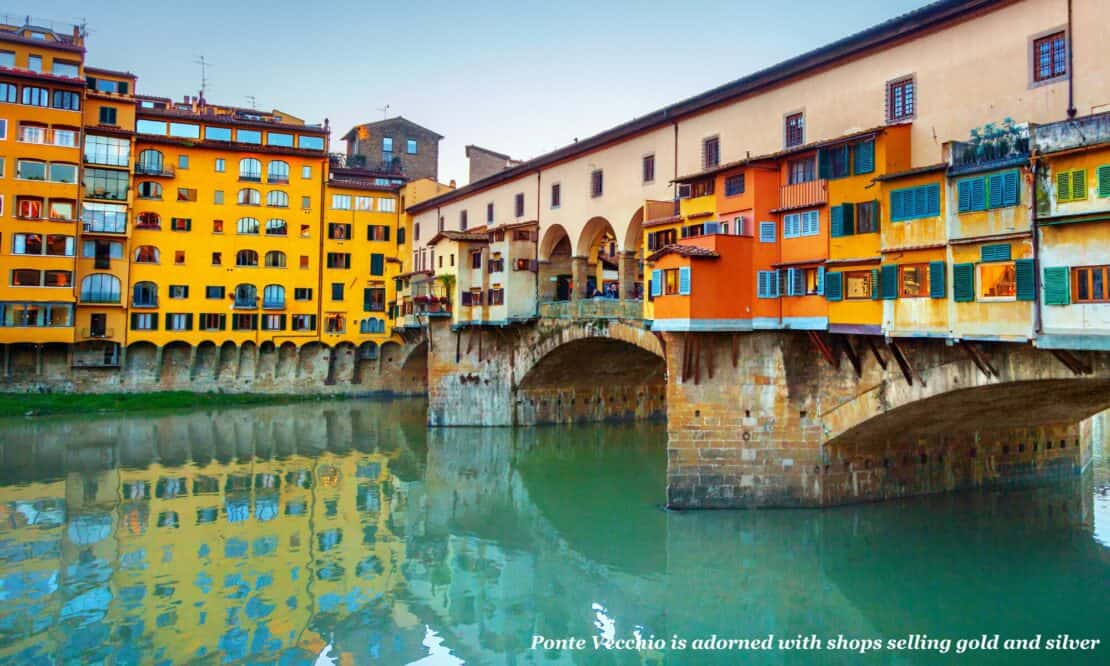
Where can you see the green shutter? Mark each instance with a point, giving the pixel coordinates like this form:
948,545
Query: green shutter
836,221
994,190
1011,188
1104,180
963,195
849,218
874,284
377,264
1025,275
1057,286
1078,184
834,286
963,283
865,157
1063,186
889,282
992,253
978,193
366,299
937,276
824,164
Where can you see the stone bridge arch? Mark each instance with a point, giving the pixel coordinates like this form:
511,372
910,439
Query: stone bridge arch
534,354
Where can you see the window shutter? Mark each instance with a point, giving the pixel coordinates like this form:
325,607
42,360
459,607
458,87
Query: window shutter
1011,192
978,194
824,164
834,286
766,232
875,225
798,281
812,223
992,253
761,284
1063,185
865,157
712,227
656,283
836,221
937,275
889,282
963,195
963,283
684,280
134,320
1057,286
874,284
1024,274
189,321
366,300
820,280
1104,180
994,190
1079,184
385,230
781,284
897,205
849,218
223,322
377,264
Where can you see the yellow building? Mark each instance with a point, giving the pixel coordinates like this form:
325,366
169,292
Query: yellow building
41,93
227,238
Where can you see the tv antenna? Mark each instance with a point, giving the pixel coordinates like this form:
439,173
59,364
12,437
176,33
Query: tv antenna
385,111
253,101
204,65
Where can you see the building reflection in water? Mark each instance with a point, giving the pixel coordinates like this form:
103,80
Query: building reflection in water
265,534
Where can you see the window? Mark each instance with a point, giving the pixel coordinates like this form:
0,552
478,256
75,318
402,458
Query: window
306,172
306,203
310,142
66,138
247,226
277,199
28,208
518,205
242,321
364,203
150,163
998,280
900,102
66,69
801,171
913,280
63,99
249,197
410,146
864,157
915,202
992,191
182,161
8,93
834,162
147,221
806,223
30,170
279,139
386,205
273,297
734,185
277,172
144,321
859,285
248,136
62,210
1050,57
217,258
475,259
180,224
462,220
34,63
556,194
795,130
66,173
250,169
7,59
377,264
710,152
1090,284
302,294
341,202
149,190
213,321
304,322
246,296
179,257
648,170
338,260
146,254
217,133
304,261
32,133
185,130
214,292
377,232
338,231
597,183
144,295
1072,185
33,96
867,217
179,291
336,291
100,288
179,321
660,239
217,226
373,299
275,259
246,258
186,194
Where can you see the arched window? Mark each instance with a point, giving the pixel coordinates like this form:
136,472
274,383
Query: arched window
144,295
250,169
372,325
278,172
246,258
277,199
273,296
246,295
148,189
150,162
149,221
247,225
275,259
100,288
146,254
276,227
249,197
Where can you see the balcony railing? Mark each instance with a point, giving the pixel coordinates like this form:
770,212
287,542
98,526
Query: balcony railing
95,333
105,227
593,308
800,195
156,170
273,305
100,297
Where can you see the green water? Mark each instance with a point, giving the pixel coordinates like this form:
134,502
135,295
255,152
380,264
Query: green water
275,534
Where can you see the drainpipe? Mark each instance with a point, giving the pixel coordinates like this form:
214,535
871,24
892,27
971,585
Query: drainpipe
1071,70
536,245
1037,322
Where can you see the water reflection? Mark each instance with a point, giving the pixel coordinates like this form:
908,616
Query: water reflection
276,534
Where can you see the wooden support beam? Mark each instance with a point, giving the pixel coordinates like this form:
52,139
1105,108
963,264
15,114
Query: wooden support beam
904,364
697,359
685,356
875,350
853,356
980,360
469,340
1072,362
458,346
481,335
823,346
709,359
735,350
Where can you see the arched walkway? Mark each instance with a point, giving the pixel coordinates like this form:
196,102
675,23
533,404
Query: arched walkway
555,272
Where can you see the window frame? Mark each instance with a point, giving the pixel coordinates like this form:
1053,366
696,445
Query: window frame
1035,77
923,280
1073,278
798,127
909,102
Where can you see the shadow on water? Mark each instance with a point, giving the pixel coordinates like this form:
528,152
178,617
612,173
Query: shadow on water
264,534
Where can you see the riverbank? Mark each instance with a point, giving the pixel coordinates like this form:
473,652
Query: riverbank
42,404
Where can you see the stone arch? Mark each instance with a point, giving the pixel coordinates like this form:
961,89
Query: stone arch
248,361
312,361
633,240
596,229
177,363
555,237
227,365
596,260
345,362
267,361
286,360
141,364
206,363
555,271
413,375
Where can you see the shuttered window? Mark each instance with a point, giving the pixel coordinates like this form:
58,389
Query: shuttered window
915,202
865,157
888,282
1025,274
684,281
998,252
795,225
766,232
767,284
1071,185
656,283
834,286
963,283
937,279
1104,180
377,264
1057,286
998,190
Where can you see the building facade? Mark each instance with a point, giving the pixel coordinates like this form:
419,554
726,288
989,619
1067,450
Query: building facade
394,145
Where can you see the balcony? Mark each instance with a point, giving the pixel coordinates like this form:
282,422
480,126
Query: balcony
803,195
105,227
100,297
154,170
991,147
593,308
1069,134
97,333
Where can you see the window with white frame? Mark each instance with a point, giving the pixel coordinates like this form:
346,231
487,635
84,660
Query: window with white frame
796,225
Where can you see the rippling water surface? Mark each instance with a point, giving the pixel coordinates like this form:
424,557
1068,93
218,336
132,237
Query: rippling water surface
347,533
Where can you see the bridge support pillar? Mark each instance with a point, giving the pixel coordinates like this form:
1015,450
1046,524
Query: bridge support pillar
469,377
626,273
579,270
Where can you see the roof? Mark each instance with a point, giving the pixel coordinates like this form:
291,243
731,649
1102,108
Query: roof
659,221
110,72
692,251
487,151
902,27
390,121
929,168
465,236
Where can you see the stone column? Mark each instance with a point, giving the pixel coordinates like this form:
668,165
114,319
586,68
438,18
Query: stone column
579,269
627,269
463,389
546,287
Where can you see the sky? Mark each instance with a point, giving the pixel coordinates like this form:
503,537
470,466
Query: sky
520,78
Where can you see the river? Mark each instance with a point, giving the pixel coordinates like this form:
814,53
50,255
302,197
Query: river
348,533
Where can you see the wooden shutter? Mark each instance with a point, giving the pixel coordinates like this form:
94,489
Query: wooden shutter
937,275
994,190
963,283
824,164
849,218
978,194
656,283
1057,285
684,280
997,252
963,196
1078,184
1104,180
889,282
377,264
874,284
836,221
1063,186
712,227
223,322
1011,190
766,232
1025,276
865,157
834,286
820,280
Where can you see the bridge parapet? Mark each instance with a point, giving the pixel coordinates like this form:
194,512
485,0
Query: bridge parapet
593,308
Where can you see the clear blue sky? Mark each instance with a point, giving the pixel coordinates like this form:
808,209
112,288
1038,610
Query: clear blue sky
519,77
